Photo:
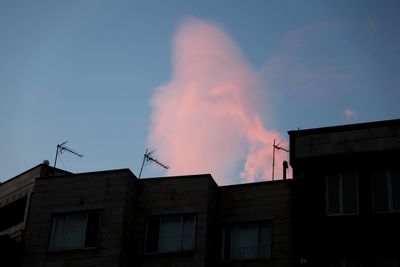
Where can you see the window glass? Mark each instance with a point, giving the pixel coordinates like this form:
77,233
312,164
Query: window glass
188,233
170,234
380,191
349,192
264,240
247,241
74,231
57,240
333,193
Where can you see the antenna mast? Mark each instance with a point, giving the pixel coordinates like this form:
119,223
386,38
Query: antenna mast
276,146
61,148
147,157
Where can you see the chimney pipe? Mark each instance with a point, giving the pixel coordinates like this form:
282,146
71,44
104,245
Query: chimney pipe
285,166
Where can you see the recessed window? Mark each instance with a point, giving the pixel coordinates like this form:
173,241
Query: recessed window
247,241
341,193
386,190
13,213
75,231
170,234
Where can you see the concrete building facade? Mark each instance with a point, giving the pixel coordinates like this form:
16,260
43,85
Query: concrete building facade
15,199
347,194
111,218
341,209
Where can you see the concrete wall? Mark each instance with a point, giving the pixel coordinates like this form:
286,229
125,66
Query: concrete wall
265,201
22,186
345,141
176,196
126,203
108,192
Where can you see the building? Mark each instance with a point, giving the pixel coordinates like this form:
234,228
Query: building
347,194
111,218
342,209
15,197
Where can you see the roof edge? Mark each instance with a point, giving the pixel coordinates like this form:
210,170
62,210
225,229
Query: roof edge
346,127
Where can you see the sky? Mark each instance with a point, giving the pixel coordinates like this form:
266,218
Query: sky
205,85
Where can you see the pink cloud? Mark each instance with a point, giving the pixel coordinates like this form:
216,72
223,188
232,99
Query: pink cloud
205,119
349,114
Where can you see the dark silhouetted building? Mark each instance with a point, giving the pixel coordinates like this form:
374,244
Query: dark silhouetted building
347,195
111,218
342,209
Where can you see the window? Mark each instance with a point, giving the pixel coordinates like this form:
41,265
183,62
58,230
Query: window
75,231
170,234
247,241
386,190
13,213
342,193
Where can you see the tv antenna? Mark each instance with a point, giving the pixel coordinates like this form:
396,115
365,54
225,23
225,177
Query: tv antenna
61,148
276,146
147,157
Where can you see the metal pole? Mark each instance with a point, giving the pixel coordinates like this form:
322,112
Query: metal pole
144,158
273,161
55,160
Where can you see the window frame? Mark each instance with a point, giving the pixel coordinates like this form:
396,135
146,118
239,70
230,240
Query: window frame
170,216
389,188
52,247
234,228
340,196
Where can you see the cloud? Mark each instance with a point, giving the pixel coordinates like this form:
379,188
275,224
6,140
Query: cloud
206,118
349,114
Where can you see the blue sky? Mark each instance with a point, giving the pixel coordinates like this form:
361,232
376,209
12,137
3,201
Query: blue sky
85,71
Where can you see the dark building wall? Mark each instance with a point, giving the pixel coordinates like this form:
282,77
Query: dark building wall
363,148
107,192
15,196
256,202
177,196
341,140
125,204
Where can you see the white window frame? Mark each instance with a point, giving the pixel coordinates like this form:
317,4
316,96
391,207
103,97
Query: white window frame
161,218
389,188
341,212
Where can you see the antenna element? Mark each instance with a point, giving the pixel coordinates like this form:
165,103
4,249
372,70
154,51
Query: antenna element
147,157
61,148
